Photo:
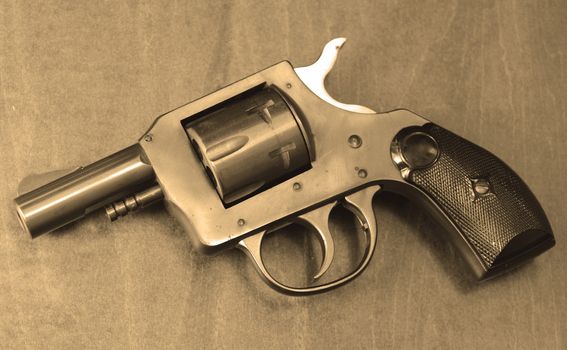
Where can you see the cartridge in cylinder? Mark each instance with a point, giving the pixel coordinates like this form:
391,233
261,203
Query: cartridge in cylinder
250,143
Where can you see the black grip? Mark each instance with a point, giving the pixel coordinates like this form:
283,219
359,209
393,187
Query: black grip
492,208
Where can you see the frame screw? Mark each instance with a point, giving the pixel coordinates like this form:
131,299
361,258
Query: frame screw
148,138
296,186
241,222
354,141
288,85
481,187
362,173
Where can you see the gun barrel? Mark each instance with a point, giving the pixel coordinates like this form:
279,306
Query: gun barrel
72,196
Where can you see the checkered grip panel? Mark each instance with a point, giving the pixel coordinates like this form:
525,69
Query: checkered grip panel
487,221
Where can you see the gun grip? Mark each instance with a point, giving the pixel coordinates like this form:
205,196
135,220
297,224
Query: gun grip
493,218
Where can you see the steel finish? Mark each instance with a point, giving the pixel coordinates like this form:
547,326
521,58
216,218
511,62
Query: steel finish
249,143
71,197
280,150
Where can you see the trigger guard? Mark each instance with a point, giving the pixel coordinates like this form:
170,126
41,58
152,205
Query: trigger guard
361,202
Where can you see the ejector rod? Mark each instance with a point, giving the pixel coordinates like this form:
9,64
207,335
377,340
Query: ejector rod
72,196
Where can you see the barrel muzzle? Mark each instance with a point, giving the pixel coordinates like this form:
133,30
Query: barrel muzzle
84,190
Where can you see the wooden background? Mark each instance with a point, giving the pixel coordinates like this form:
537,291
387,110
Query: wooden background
82,79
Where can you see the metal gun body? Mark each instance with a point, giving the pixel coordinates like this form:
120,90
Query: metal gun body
337,168
275,149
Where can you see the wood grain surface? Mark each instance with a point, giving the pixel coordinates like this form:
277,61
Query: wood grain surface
82,79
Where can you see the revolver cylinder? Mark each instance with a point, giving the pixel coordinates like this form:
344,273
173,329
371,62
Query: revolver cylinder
250,143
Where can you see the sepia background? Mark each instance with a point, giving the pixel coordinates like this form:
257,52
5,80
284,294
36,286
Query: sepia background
82,79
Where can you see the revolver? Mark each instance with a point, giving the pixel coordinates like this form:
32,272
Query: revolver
275,149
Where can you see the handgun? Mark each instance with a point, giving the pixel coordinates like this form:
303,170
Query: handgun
275,149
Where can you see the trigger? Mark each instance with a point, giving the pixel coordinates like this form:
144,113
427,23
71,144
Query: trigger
319,220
